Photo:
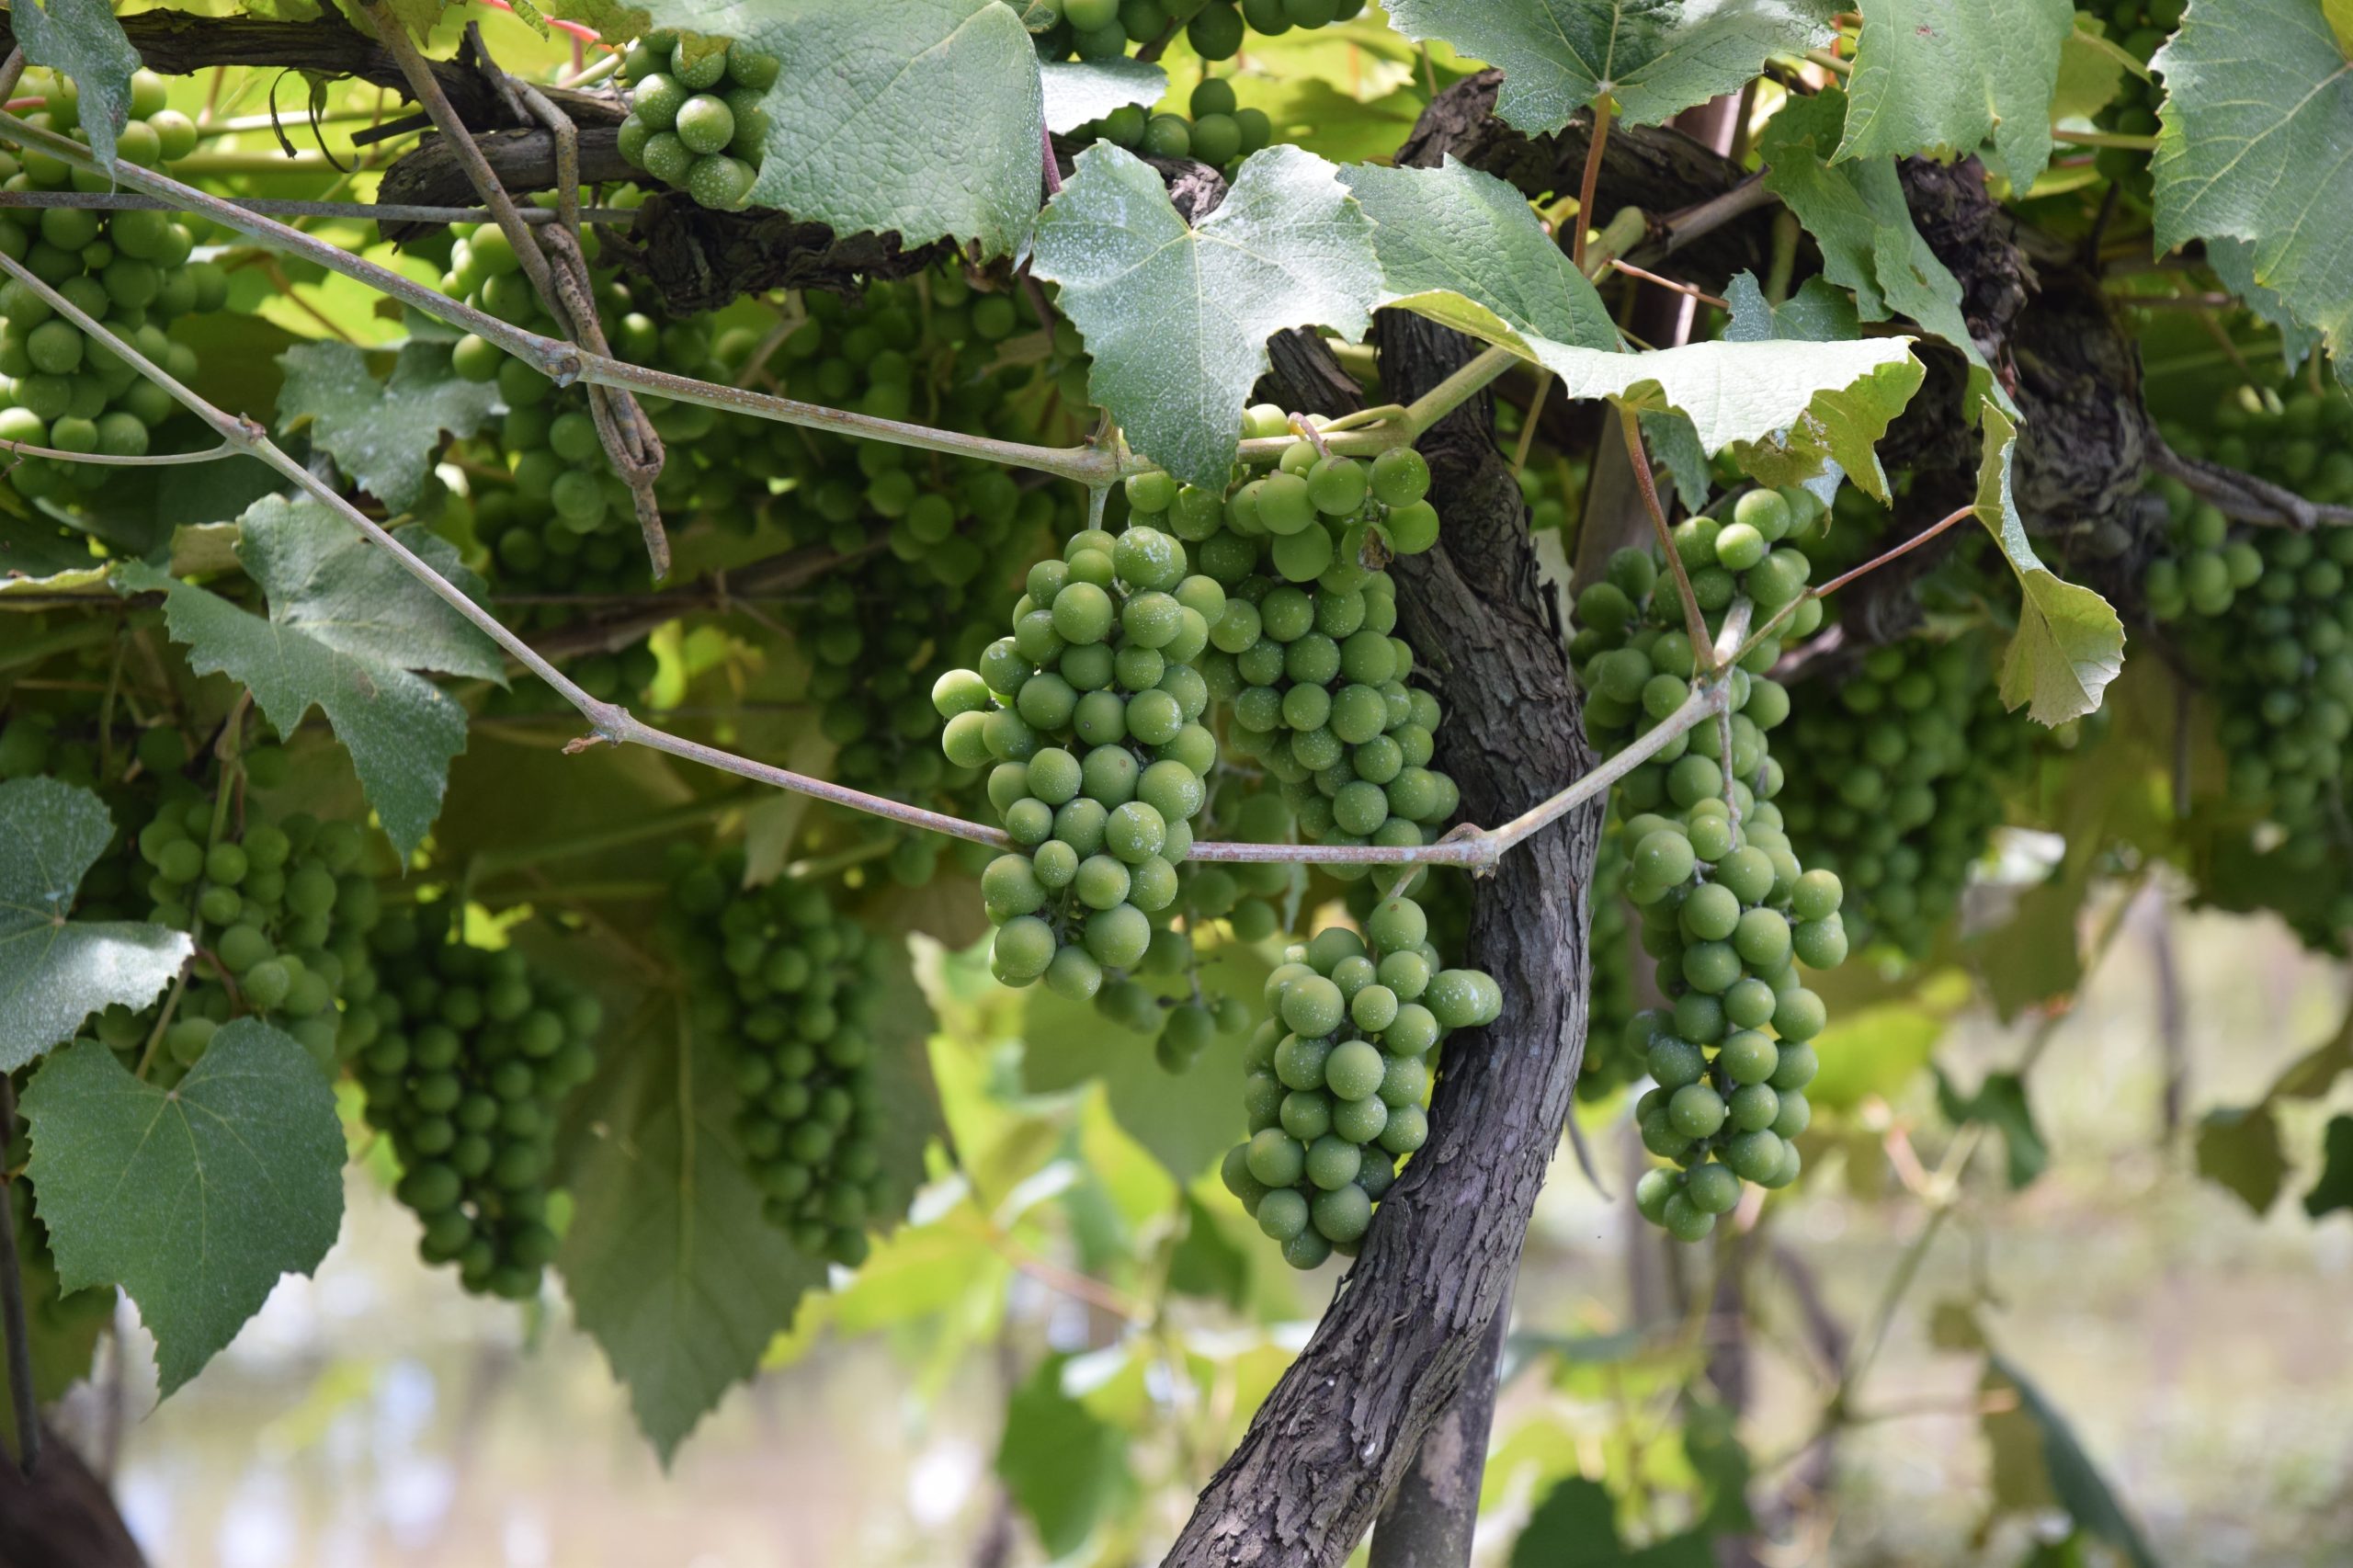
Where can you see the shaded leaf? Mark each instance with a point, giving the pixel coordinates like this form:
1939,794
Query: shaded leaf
2092,69
1944,75
2074,1480
2000,1102
385,435
347,628
1078,91
82,39
1574,1526
1207,1263
1655,58
2233,262
1669,439
2069,643
2251,144
1457,230
1873,1052
2240,1149
55,973
1065,1466
1818,313
196,1198
669,1264
63,1329
922,116
1177,318
2334,1190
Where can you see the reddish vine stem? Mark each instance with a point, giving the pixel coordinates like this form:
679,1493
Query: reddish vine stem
1873,565
12,1302
1591,182
1695,624
1693,290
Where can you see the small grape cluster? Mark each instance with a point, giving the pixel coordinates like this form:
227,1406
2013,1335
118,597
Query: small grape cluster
2137,27
1895,781
1103,29
793,985
472,1057
1338,1074
132,271
280,906
1091,713
1220,131
1728,912
696,116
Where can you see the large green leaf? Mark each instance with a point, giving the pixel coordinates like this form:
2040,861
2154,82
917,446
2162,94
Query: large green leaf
63,1329
1080,90
669,1264
347,629
1857,214
2234,263
1457,230
2334,1190
2069,643
2075,1481
82,39
196,1198
2251,145
1064,1465
54,972
1944,75
922,116
1177,318
384,434
1820,311
1656,58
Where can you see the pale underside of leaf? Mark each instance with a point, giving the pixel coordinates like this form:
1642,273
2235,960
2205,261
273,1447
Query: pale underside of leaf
2069,643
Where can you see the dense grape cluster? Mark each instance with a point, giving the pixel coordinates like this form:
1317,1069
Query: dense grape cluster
280,907
695,117
472,1056
793,984
1338,1074
1894,781
131,270
1727,910
1104,29
2262,618
1219,132
1091,714
2139,27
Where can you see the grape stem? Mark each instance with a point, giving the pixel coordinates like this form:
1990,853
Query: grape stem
1691,289
109,459
1591,179
1873,565
565,363
1694,622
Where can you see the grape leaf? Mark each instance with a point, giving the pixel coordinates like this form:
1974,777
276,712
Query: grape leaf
193,1198
2092,69
2075,1481
2334,1190
2000,1103
82,39
384,434
2069,643
1818,313
347,629
1064,1465
63,1333
55,973
1177,318
1078,91
926,117
670,1266
2251,144
2234,263
1455,229
1656,58
1670,438
1943,75
1857,214
2238,1148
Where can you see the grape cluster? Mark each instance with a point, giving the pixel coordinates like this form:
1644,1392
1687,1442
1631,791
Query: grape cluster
1894,781
1220,131
695,117
1103,29
793,986
2262,618
472,1056
1091,714
131,271
280,907
2139,27
1609,1003
1337,1076
1727,910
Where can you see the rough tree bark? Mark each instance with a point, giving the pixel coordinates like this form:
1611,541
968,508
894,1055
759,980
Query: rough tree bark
1429,1520
1338,1434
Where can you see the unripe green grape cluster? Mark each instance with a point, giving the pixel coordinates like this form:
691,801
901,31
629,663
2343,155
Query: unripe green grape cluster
1338,1074
1089,718
2262,618
1727,910
2139,27
280,907
1104,29
474,1055
132,271
1219,133
793,986
1610,1000
696,117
